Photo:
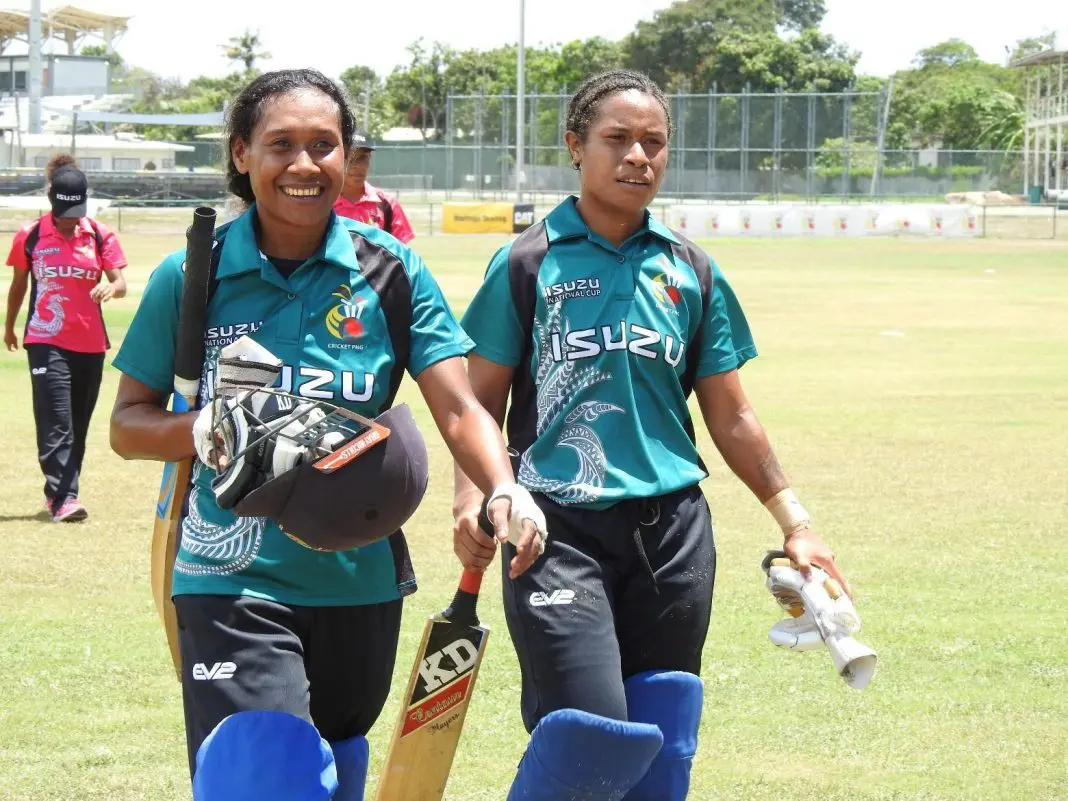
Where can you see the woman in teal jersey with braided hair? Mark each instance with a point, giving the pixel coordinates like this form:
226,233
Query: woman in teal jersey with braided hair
598,322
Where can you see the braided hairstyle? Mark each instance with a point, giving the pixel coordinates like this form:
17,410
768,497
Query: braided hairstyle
247,111
585,104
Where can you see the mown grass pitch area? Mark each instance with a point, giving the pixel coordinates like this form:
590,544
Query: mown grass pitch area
916,393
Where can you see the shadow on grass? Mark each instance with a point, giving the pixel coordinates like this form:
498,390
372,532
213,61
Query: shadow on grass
42,515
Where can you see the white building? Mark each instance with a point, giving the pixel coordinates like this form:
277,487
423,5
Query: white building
1045,165
120,153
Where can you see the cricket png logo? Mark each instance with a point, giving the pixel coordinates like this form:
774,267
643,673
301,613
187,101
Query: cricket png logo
344,321
666,290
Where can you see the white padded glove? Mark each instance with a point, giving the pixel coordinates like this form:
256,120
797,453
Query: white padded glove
820,615
813,605
523,508
243,365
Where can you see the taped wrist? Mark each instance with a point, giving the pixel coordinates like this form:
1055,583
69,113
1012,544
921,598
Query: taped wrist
788,511
523,508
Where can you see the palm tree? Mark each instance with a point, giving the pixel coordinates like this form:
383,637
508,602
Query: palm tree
1003,123
245,49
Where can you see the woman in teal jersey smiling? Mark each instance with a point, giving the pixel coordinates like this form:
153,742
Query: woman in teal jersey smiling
275,636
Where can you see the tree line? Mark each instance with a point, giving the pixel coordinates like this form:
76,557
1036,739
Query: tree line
948,96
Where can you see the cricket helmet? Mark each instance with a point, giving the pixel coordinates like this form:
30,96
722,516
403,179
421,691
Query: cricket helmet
330,479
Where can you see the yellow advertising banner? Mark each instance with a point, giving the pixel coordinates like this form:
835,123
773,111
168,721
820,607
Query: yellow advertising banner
478,218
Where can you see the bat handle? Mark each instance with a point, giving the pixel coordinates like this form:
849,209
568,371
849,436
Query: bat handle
463,608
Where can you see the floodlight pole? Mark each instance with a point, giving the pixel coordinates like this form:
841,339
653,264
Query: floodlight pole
520,110
34,84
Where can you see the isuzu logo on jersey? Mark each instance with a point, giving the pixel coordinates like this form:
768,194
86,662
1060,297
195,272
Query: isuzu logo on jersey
316,383
232,331
579,288
586,343
218,336
64,271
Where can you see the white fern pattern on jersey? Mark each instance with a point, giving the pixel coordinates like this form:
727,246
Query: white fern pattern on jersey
231,547
558,384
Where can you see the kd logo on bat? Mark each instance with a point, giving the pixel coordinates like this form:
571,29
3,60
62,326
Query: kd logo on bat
453,660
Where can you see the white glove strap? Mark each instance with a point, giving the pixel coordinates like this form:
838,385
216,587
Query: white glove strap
788,511
206,435
523,508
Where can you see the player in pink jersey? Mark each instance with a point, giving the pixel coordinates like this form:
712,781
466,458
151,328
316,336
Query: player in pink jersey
359,200
61,258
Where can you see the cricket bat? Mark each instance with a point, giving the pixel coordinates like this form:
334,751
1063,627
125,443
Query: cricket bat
188,362
435,704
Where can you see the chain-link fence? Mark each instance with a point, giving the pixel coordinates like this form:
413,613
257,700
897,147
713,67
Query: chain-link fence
745,146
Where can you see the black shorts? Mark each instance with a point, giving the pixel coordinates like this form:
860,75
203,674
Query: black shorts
331,666
617,592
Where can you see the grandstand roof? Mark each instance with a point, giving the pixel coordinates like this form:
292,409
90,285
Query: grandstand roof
1042,58
82,20
15,23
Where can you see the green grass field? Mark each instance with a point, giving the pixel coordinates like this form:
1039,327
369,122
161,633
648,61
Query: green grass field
916,393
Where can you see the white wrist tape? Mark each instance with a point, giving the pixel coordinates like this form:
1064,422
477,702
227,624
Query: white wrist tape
523,509
788,511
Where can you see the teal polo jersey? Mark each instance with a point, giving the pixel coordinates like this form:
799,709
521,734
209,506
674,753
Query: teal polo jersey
326,324
608,352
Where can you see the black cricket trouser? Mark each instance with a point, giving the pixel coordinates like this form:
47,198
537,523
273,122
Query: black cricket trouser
617,592
329,665
65,388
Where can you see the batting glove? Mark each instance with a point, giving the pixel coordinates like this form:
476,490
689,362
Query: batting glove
805,601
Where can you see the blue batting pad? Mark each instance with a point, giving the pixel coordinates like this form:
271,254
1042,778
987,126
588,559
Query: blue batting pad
264,756
671,700
579,756
350,758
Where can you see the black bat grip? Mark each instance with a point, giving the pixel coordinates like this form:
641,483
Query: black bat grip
189,350
464,606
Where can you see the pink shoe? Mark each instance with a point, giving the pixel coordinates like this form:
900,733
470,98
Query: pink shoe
70,512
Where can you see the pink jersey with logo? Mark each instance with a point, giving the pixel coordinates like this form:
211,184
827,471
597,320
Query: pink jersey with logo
64,273
368,209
